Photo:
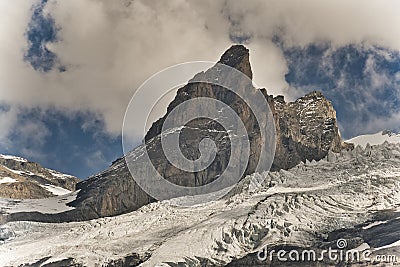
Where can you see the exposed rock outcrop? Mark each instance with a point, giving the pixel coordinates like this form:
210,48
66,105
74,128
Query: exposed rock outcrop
306,130
23,179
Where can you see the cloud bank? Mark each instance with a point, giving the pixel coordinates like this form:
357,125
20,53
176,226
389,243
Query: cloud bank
105,49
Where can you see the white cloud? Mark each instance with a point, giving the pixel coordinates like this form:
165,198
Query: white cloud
377,124
269,67
32,133
95,160
377,79
8,119
339,21
111,47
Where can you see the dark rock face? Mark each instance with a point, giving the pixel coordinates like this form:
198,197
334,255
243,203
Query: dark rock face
305,130
131,260
111,192
114,191
236,57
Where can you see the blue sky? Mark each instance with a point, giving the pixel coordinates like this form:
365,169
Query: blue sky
41,30
73,144
63,98
360,81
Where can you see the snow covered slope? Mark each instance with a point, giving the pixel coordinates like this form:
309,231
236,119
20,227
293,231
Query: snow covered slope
49,205
375,139
21,179
298,207
13,158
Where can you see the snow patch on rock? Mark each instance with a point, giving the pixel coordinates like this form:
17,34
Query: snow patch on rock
55,190
13,158
7,180
50,205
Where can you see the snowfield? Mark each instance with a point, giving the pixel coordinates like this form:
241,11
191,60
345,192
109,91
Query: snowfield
375,139
56,190
43,205
295,207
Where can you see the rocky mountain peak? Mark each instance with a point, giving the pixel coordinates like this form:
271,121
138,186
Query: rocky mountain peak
314,94
389,133
238,57
306,129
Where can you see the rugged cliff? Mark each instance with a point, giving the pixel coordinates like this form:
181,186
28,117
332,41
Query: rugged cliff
306,130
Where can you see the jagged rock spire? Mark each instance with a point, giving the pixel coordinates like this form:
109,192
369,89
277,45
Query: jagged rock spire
238,57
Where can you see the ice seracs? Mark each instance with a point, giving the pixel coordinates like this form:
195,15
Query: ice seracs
299,207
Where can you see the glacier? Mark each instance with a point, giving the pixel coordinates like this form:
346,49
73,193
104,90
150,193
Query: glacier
302,207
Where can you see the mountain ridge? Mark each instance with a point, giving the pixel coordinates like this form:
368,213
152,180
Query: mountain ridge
24,179
306,129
